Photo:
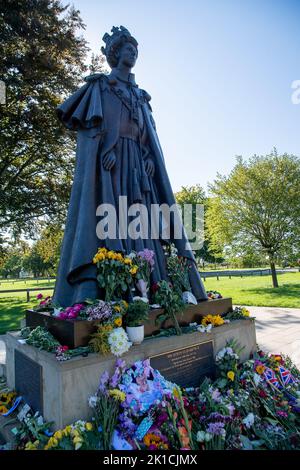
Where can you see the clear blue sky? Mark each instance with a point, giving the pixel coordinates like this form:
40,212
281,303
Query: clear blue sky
219,73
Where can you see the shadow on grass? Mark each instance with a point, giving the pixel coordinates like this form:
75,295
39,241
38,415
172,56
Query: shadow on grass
11,312
287,290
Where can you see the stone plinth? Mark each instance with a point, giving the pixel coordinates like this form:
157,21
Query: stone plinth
66,386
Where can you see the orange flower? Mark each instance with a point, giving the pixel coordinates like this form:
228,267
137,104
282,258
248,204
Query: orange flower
260,368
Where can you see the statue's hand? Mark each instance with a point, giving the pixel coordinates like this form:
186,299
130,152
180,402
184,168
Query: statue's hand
109,160
149,167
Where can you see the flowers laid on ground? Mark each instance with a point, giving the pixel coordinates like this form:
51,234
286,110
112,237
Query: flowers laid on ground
238,313
213,294
116,273
214,320
40,338
6,401
253,405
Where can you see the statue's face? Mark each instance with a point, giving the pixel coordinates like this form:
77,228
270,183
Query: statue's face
128,55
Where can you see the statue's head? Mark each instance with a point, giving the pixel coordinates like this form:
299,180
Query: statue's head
120,47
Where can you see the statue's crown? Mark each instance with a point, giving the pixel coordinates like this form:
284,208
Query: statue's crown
117,32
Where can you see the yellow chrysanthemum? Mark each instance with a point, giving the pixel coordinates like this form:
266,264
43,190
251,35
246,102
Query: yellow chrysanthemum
89,426
117,394
117,308
215,320
231,375
3,409
127,260
245,312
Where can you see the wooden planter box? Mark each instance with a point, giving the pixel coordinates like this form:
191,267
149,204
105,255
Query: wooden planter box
191,314
75,333
71,333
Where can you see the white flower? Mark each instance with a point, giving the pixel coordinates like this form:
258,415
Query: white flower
249,420
221,354
40,421
143,299
257,379
118,341
209,328
201,436
93,401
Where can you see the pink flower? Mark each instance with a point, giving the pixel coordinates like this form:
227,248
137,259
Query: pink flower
39,296
63,315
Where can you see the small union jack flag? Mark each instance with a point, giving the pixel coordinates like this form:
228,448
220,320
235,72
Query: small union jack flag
286,376
270,375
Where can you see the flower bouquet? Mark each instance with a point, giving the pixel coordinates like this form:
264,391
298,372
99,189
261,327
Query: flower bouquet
116,273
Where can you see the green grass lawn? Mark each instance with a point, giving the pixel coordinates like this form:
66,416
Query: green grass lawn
249,290
13,305
258,290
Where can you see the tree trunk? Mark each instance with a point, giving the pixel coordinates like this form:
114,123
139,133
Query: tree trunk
274,274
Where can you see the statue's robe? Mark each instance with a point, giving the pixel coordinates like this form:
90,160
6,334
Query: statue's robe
94,112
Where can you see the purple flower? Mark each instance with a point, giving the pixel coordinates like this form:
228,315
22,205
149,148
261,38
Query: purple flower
216,428
103,382
100,311
147,255
162,418
127,425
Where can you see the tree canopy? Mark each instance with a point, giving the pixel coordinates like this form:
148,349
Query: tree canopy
258,205
42,60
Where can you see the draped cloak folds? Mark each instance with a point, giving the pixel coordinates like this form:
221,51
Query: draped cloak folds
94,111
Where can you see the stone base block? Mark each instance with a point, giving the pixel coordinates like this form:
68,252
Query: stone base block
62,389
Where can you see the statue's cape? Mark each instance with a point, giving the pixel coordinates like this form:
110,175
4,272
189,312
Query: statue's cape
94,112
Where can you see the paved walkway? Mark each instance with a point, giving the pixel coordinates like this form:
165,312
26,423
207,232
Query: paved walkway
278,330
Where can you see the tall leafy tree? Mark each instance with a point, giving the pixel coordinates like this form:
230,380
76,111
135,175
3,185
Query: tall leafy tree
42,59
258,204
196,195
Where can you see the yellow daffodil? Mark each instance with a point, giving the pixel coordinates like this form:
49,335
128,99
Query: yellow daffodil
231,375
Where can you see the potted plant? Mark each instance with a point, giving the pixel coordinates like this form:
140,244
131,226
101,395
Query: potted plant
136,314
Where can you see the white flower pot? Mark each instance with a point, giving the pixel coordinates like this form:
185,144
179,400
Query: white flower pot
135,334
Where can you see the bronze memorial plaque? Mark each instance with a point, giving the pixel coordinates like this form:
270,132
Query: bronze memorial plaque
28,380
188,366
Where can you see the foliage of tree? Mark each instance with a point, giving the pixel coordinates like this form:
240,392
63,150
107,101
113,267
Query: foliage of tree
196,195
258,205
42,60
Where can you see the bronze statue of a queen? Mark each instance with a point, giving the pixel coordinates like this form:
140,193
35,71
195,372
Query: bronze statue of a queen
118,160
